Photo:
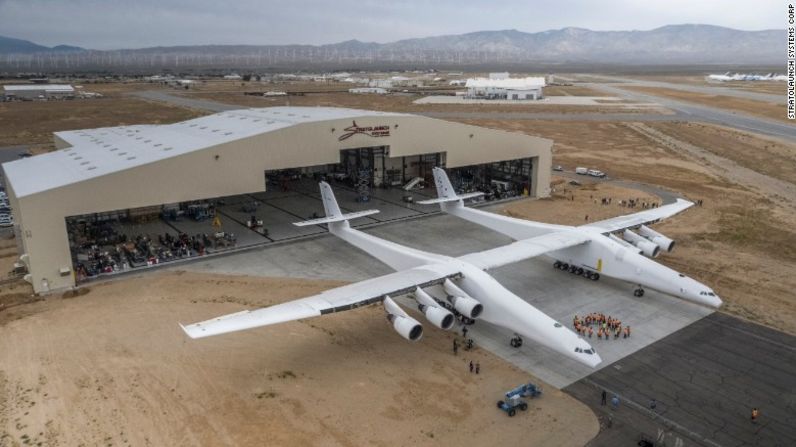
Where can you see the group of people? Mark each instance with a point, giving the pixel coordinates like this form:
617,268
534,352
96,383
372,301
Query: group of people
605,324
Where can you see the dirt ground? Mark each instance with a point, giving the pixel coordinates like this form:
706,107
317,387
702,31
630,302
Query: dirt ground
768,155
741,242
33,122
401,103
748,106
571,205
111,367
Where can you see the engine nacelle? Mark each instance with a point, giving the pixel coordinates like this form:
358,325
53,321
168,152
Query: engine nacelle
658,239
469,307
463,303
406,326
439,317
649,249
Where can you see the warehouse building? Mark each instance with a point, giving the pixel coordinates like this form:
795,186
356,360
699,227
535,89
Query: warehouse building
72,205
499,87
38,91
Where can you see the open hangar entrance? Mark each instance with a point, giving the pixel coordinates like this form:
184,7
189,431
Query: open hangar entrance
371,168
129,239
117,191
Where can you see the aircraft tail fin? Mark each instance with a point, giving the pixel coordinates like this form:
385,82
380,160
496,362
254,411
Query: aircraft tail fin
332,210
445,191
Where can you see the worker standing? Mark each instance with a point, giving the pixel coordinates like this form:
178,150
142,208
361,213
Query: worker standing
477,368
471,366
603,398
591,331
755,415
455,347
464,332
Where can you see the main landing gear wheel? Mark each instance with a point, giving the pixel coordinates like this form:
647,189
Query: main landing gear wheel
516,341
594,276
638,292
557,264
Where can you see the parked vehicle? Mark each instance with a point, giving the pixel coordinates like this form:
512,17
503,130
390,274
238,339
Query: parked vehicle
596,173
558,168
581,171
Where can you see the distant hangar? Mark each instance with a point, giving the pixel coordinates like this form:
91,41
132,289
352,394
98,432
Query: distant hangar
108,173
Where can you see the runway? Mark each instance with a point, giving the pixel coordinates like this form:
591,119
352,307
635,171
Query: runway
706,378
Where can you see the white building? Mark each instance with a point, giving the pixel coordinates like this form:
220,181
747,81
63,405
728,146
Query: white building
509,88
371,90
233,77
32,91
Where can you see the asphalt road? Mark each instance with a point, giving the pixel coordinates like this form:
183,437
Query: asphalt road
706,89
694,112
706,378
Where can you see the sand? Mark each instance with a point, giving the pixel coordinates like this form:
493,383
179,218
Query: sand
111,367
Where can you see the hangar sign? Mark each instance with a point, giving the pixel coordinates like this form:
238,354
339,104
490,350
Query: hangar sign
371,131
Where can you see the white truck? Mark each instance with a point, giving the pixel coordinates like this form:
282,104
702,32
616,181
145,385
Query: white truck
581,171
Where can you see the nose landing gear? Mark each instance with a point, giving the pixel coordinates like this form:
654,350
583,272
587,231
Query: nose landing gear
638,292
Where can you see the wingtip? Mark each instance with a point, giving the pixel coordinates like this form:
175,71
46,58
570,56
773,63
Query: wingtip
184,329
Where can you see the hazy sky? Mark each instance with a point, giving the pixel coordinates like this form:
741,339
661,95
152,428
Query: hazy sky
107,24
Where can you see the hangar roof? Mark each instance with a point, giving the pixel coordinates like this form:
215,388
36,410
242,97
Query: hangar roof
512,83
39,87
97,152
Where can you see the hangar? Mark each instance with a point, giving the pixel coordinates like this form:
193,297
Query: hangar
69,203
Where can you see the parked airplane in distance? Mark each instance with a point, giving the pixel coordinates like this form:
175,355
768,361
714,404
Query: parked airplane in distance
744,77
601,251
443,287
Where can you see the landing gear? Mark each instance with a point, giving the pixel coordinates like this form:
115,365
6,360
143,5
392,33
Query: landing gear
638,292
575,270
516,341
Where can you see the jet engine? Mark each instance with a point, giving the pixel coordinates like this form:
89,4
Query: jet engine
660,240
436,315
649,249
463,303
406,326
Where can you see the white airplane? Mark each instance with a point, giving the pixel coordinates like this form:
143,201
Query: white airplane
441,286
600,252
744,77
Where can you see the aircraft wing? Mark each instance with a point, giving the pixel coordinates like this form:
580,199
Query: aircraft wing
339,299
640,218
525,249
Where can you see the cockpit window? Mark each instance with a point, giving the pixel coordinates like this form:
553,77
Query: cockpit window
557,324
578,350
589,351
711,294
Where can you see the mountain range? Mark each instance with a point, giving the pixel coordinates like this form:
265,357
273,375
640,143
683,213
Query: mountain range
668,45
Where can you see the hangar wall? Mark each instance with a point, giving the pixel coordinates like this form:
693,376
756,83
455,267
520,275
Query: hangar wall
237,167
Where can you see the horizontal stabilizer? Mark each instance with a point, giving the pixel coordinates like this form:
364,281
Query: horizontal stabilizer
330,219
470,195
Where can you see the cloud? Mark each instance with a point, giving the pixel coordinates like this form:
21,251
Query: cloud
108,24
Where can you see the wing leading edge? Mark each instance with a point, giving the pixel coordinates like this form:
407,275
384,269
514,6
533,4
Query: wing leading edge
525,249
640,218
343,298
